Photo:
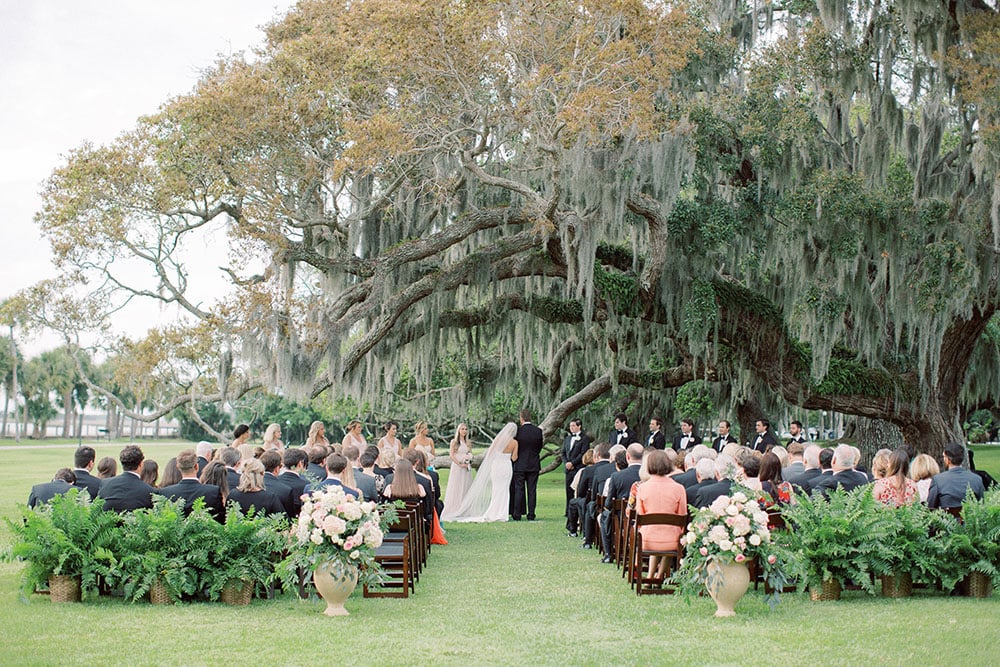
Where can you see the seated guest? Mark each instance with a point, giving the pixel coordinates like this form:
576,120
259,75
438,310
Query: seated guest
776,491
216,474
809,466
385,465
403,485
796,465
316,470
83,462
844,475
190,489
251,494
230,456
660,495
782,455
948,488
107,468
880,463
63,481
271,460
750,466
825,470
603,470
171,475
619,485
725,472
127,492
705,471
923,468
688,478
335,464
363,482
429,479
581,488
149,472
895,488
294,462
204,451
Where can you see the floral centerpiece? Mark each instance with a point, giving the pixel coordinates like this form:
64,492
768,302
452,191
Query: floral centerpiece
732,530
337,533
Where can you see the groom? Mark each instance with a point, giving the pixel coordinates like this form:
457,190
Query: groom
526,468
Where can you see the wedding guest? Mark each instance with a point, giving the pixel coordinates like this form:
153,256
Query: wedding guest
389,441
149,472
241,434
316,469
922,470
171,475
948,488
362,481
880,463
426,477
107,468
230,457
581,487
204,451
62,481
316,435
844,475
619,485
782,455
423,443
251,495
353,435
705,473
293,468
385,466
191,489
795,466
810,468
247,453
660,495
367,463
776,490
83,463
895,488
127,492
216,474
749,470
404,485
825,469
272,438
271,460
335,465
725,473
602,470
688,478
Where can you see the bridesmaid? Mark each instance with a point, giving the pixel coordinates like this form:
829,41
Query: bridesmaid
422,443
460,477
353,435
317,435
389,441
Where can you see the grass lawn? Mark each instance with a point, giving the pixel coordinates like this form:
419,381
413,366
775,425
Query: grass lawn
513,593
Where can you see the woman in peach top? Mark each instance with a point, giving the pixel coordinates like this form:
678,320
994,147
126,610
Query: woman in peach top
660,495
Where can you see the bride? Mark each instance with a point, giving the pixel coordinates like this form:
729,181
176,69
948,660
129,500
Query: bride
488,498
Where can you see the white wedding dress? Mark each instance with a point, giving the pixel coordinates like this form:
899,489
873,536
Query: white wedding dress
488,499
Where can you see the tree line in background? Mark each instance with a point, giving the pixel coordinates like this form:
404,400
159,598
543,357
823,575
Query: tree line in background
586,205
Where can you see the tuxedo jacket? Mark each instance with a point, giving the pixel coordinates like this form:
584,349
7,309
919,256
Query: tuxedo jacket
621,484
656,440
572,451
43,493
298,487
948,488
84,480
603,470
707,494
529,448
627,439
191,489
801,439
282,492
719,443
687,479
762,442
848,480
262,502
693,439
125,493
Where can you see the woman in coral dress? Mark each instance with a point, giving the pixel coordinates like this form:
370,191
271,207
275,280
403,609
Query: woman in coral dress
660,495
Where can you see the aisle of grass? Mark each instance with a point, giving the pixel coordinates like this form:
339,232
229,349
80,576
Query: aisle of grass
513,593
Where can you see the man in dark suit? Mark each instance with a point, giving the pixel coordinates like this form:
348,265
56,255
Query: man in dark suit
725,473
316,470
948,488
204,451
62,482
271,460
619,485
796,465
622,435
844,475
688,462
573,447
364,482
705,475
294,462
524,484
230,458
190,489
335,464
765,439
83,462
825,458
724,437
603,468
127,491
578,505
656,439
687,438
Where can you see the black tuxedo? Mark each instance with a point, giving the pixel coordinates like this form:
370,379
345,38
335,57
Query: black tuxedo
687,479
329,481
719,443
572,451
232,478
628,436
798,438
603,470
577,510
618,487
282,491
365,484
680,445
524,483
84,480
191,489
809,484
125,493
804,478
298,485
656,440
848,480
764,441
43,493
707,494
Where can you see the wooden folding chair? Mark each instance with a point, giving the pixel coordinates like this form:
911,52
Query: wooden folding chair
650,585
394,557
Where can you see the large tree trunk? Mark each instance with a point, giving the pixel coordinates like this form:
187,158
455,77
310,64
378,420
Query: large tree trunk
747,414
875,434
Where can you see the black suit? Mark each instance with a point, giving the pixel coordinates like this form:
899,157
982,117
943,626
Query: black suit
764,441
365,484
190,490
682,445
572,451
282,491
202,462
126,492
578,505
656,440
707,494
619,486
603,470
262,502
84,480
232,478
315,472
687,479
628,436
524,483
43,493
848,480
692,491
810,483
720,442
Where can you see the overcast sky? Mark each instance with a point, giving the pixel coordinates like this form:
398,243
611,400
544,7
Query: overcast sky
76,70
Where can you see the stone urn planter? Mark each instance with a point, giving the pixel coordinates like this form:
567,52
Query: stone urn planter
727,582
335,581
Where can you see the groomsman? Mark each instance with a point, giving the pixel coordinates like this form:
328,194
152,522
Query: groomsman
573,447
765,439
724,437
622,435
798,435
656,439
686,438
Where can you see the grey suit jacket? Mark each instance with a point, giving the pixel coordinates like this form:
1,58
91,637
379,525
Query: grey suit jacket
948,488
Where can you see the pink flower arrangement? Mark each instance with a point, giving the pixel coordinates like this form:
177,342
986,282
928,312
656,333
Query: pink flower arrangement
335,525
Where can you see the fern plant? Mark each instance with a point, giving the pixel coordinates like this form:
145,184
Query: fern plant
247,548
904,543
972,544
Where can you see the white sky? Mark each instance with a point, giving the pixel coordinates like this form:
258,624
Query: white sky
76,70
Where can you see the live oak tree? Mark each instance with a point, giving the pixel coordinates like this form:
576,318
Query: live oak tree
792,201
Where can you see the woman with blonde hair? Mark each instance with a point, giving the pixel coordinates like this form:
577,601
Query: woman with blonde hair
423,443
922,471
460,476
317,435
272,438
251,494
353,435
895,488
880,463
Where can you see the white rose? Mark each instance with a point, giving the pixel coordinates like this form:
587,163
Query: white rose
725,545
755,540
739,497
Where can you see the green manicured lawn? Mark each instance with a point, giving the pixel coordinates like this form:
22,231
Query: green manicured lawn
516,593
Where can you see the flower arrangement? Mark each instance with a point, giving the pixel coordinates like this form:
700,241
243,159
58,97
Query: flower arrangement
336,526
733,529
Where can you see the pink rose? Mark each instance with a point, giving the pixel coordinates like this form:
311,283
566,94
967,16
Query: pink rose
740,558
703,551
772,559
